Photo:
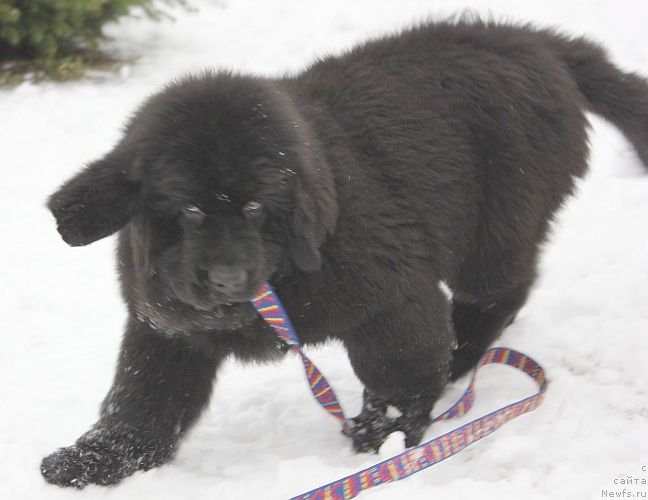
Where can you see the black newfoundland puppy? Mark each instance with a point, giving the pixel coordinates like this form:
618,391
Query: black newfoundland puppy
360,188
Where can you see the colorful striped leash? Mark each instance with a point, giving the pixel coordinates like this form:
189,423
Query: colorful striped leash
269,306
419,457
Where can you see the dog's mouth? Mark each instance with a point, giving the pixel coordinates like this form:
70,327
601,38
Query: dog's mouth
209,301
181,305
218,304
181,316
206,300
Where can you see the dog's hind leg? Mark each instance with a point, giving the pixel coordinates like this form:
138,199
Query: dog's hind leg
402,357
478,324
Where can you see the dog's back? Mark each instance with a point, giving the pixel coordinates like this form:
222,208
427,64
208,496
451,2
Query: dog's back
476,131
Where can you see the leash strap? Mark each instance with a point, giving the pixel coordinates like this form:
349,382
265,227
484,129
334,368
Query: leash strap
424,455
269,307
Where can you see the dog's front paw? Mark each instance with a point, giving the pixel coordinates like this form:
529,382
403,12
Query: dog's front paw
78,466
102,457
368,435
368,432
378,419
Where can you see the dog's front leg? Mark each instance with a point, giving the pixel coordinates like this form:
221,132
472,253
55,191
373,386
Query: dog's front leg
161,385
402,357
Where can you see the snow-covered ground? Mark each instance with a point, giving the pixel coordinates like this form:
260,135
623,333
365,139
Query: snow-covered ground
586,322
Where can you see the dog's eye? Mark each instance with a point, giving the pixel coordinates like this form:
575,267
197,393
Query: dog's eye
192,212
252,209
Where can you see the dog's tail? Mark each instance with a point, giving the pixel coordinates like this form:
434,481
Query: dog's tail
620,97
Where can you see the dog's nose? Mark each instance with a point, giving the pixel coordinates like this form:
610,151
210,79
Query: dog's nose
227,278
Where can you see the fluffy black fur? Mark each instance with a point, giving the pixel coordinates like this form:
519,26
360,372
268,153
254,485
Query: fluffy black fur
356,187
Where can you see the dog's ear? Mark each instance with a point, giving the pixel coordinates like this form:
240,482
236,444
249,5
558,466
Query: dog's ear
96,202
314,217
304,244
315,210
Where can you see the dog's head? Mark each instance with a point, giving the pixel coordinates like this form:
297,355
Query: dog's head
216,183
